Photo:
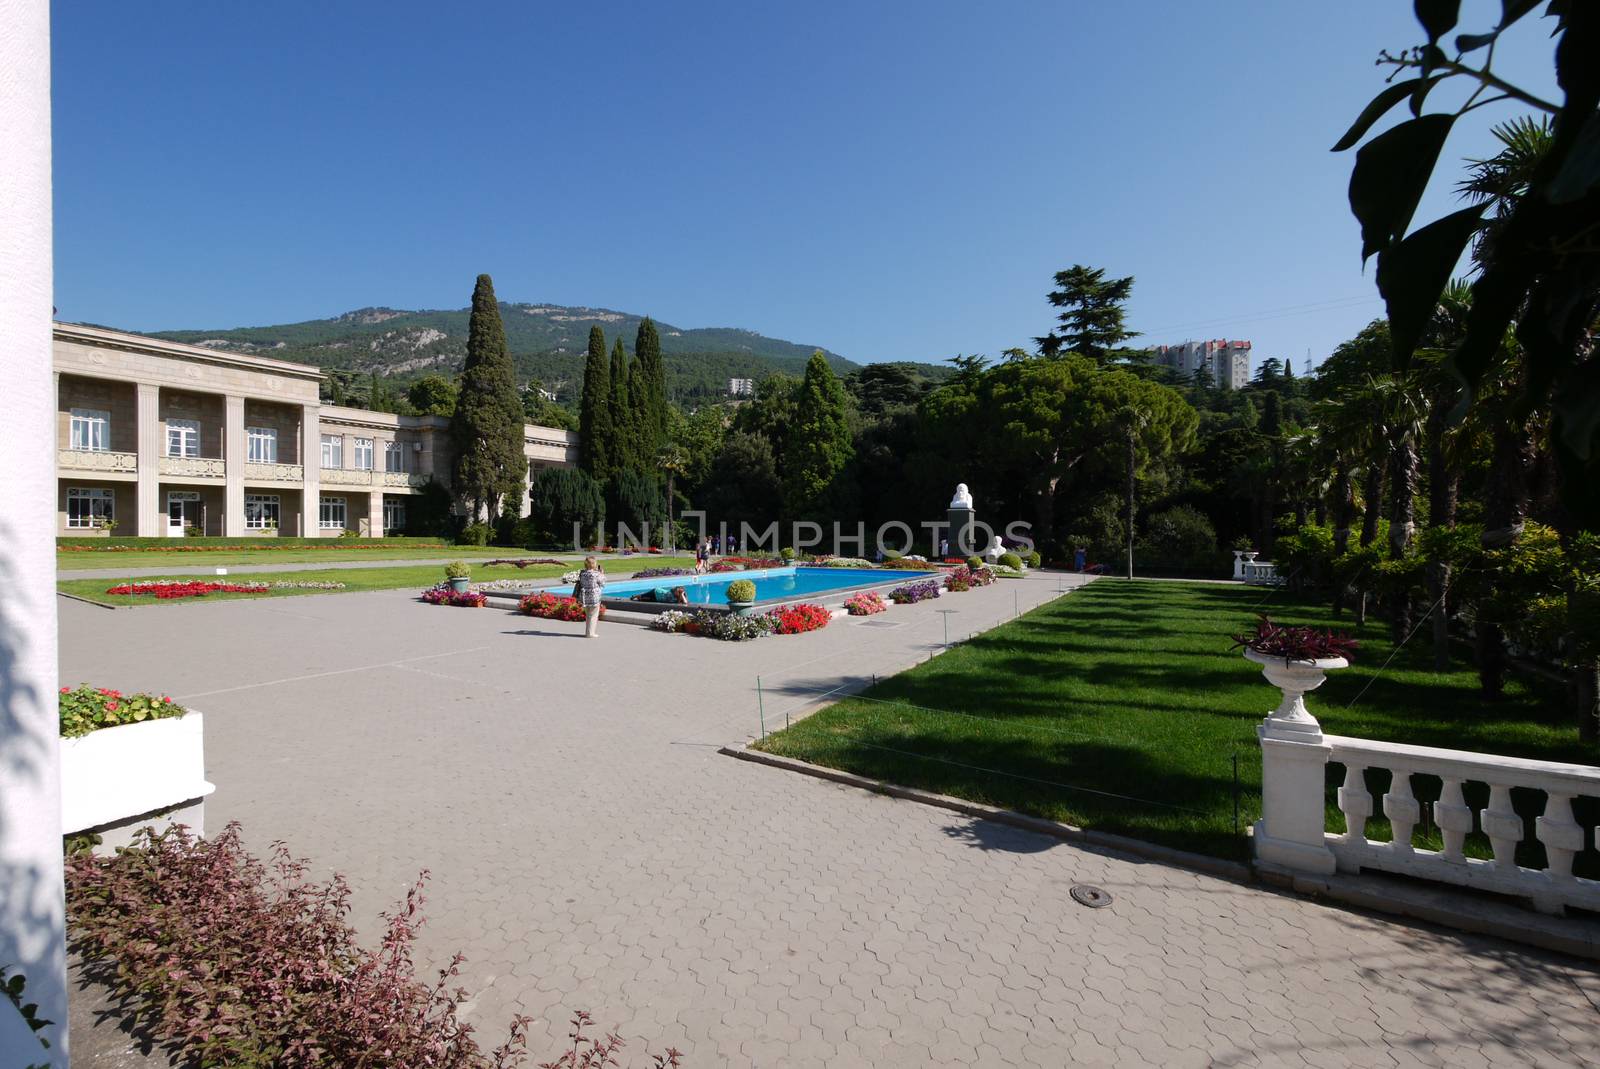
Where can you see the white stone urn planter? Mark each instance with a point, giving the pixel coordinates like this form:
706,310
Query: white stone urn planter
1291,719
112,776
1294,758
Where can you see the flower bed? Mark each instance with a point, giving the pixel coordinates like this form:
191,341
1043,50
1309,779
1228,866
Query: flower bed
910,564
672,621
912,593
866,603
842,562
547,606
798,619
965,578
658,573
85,709
465,599
740,564
188,589
729,627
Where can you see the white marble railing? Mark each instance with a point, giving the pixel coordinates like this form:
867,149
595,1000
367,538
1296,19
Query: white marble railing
278,473
1261,572
1562,836
194,467
97,460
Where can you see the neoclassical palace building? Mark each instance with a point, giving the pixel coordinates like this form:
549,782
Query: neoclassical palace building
157,438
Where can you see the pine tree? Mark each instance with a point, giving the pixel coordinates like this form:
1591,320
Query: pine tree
487,425
819,442
623,429
1092,320
647,350
594,413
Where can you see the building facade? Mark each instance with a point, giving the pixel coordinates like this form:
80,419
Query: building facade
741,387
162,439
1227,363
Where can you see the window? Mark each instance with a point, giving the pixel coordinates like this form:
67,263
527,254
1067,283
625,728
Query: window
330,517
394,515
263,444
89,507
183,437
363,451
260,511
394,457
91,429
332,451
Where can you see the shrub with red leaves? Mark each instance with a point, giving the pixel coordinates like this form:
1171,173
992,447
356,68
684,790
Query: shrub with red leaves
1297,643
244,964
250,965
797,619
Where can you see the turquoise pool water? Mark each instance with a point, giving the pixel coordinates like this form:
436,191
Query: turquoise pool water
772,584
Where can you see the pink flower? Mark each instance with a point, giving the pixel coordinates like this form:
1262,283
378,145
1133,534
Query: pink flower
66,690
111,707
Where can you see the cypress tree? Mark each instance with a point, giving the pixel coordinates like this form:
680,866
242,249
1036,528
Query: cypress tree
819,442
653,402
487,425
594,412
623,427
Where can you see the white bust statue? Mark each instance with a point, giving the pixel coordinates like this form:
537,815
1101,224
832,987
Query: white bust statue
963,498
996,548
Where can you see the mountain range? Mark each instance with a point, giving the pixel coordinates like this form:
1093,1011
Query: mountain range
547,343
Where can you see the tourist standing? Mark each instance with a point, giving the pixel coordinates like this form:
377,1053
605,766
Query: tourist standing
591,585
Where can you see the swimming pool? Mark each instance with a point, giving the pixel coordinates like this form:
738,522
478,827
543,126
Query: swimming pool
772,584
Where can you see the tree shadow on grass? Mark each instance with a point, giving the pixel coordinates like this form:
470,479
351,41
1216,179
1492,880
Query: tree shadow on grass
1089,783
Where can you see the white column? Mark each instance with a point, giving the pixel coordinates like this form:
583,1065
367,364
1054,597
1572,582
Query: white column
32,924
233,454
311,468
147,411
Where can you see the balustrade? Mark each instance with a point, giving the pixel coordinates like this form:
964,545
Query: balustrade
1556,828
97,460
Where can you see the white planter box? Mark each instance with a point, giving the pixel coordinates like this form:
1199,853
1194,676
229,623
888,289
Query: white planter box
115,774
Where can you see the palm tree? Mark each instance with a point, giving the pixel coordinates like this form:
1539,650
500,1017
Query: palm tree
674,461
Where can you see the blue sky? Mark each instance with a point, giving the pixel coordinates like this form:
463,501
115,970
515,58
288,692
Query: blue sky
891,181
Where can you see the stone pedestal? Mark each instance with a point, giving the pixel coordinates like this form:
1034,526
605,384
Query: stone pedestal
962,534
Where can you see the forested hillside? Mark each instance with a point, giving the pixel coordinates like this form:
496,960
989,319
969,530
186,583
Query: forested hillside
546,343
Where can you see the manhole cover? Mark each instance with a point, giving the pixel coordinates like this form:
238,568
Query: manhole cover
1088,895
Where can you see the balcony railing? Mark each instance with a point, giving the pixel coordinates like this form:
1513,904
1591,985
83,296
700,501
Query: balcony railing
194,467
404,478
97,460
371,478
260,471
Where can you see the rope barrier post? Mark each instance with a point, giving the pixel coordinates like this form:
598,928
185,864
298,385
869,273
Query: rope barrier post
1016,605
761,708
1236,794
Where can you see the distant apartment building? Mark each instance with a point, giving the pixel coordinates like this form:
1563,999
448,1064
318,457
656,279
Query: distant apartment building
741,387
161,438
1227,363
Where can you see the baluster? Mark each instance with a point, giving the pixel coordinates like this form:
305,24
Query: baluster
1561,835
1355,803
1454,818
1401,807
1502,825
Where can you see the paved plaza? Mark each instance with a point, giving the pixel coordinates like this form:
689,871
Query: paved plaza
590,849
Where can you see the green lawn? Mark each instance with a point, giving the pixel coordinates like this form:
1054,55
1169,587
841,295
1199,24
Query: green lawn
417,576
1131,689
